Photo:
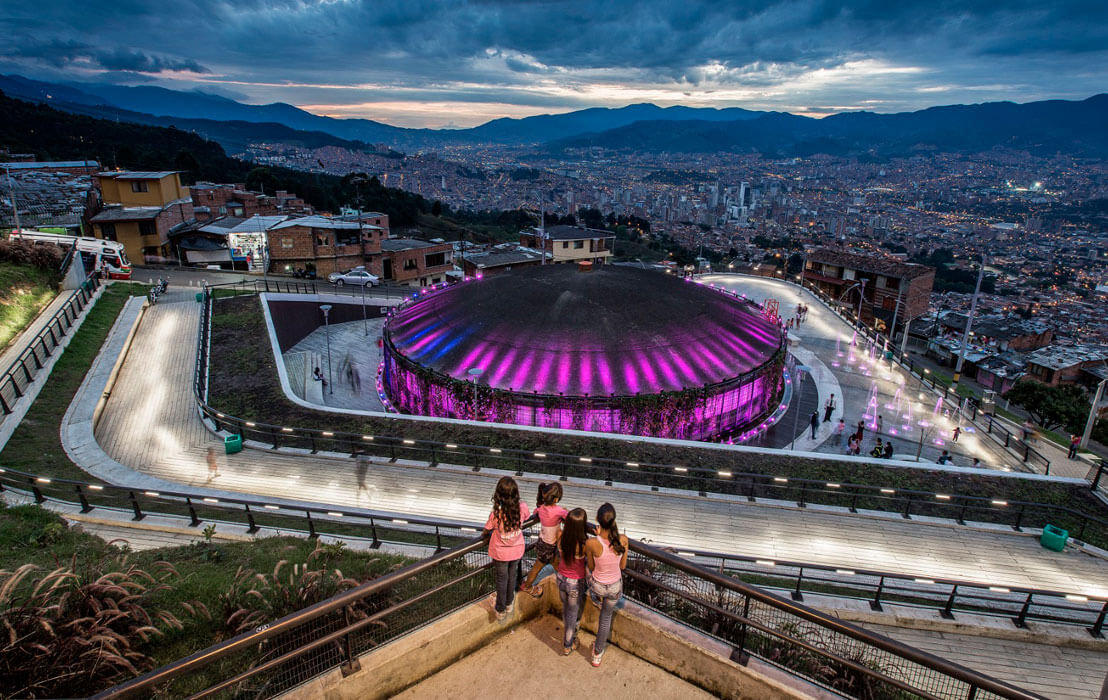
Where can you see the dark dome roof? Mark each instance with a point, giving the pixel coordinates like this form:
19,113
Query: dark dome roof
615,330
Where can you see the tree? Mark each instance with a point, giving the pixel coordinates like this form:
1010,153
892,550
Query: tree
436,208
1049,406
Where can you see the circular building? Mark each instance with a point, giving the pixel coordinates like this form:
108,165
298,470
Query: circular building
617,349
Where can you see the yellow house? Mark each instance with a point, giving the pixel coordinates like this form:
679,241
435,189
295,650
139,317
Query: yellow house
140,210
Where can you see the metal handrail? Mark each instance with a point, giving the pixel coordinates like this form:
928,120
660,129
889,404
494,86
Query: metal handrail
942,670
315,520
39,350
974,681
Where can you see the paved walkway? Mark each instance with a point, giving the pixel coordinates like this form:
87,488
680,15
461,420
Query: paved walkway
1054,672
150,425
866,386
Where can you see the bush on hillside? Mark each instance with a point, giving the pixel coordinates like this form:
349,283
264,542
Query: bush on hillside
44,257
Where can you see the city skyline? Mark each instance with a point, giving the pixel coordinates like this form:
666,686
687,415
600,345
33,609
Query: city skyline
444,65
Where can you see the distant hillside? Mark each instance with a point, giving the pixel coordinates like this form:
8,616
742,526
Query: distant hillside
55,135
1044,128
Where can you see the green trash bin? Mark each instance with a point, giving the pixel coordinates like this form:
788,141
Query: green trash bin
199,297
233,444
888,354
1054,538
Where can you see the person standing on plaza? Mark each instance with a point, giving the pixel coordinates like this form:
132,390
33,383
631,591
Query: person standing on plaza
837,436
880,424
956,433
1075,442
506,542
828,409
814,422
606,558
860,432
570,574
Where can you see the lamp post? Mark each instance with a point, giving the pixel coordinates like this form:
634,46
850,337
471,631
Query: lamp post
966,332
365,322
800,370
475,372
861,295
326,309
1092,411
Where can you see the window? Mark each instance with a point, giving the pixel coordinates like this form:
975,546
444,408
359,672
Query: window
577,245
148,228
107,231
348,237
287,243
410,264
565,244
223,210
435,259
140,186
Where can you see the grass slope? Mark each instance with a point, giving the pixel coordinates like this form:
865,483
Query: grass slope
24,291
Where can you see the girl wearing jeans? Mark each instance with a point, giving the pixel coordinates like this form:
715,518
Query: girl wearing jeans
570,572
506,543
606,556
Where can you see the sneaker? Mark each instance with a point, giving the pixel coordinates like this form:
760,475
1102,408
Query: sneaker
566,651
511,606
501,615
596,657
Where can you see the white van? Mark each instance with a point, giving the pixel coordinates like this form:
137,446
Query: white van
107,255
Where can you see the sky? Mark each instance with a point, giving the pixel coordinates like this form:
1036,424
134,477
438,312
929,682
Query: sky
426,63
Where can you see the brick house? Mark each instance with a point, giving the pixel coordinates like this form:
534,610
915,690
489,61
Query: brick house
492,262
325,245
140,210
413,262
571,244
1072,364
891,287
211,201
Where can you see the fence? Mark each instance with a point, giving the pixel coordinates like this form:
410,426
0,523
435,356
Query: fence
22,372
331,634
948,596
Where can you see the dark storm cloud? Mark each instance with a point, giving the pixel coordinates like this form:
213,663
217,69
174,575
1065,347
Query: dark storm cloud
956,48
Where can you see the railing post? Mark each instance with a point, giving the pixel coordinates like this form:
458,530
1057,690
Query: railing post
39,498
1021,621
797,595
1099,473
1019,518
972,695
743,657
803,491
875,604
854,502
750,493
312,534
85,507
1097,630
907,508
948,611
135,507
376,544
250,519
351,665
194,521
962,513
438,540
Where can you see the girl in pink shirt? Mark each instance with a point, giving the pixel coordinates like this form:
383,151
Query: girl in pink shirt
570,572
550,518
506,543
607,557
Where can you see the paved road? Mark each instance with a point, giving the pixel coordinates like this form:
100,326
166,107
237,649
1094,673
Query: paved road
150,424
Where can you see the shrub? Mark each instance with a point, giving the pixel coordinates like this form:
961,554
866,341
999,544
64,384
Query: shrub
70,632
44,257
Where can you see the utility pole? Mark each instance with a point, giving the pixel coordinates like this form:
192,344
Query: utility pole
1092,411
11,191
966,332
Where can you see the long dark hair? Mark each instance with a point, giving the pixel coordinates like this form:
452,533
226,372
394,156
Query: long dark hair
606,518
505,503
549,494
574,535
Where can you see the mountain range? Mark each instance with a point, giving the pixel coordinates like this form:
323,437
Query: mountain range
1047,127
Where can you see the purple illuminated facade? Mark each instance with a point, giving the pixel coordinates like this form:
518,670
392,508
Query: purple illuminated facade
617,350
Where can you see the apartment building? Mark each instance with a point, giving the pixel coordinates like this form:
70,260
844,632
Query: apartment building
140,210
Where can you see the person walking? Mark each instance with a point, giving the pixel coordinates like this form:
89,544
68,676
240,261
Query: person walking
814,421
956,433
860,432
837,436
1075,442
213,466
828,409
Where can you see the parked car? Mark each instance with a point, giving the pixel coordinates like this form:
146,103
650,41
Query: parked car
356,276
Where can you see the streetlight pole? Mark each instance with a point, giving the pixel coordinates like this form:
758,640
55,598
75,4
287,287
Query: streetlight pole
861,295
475,372
326,309
966,332
1092,411
800,370
365,322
